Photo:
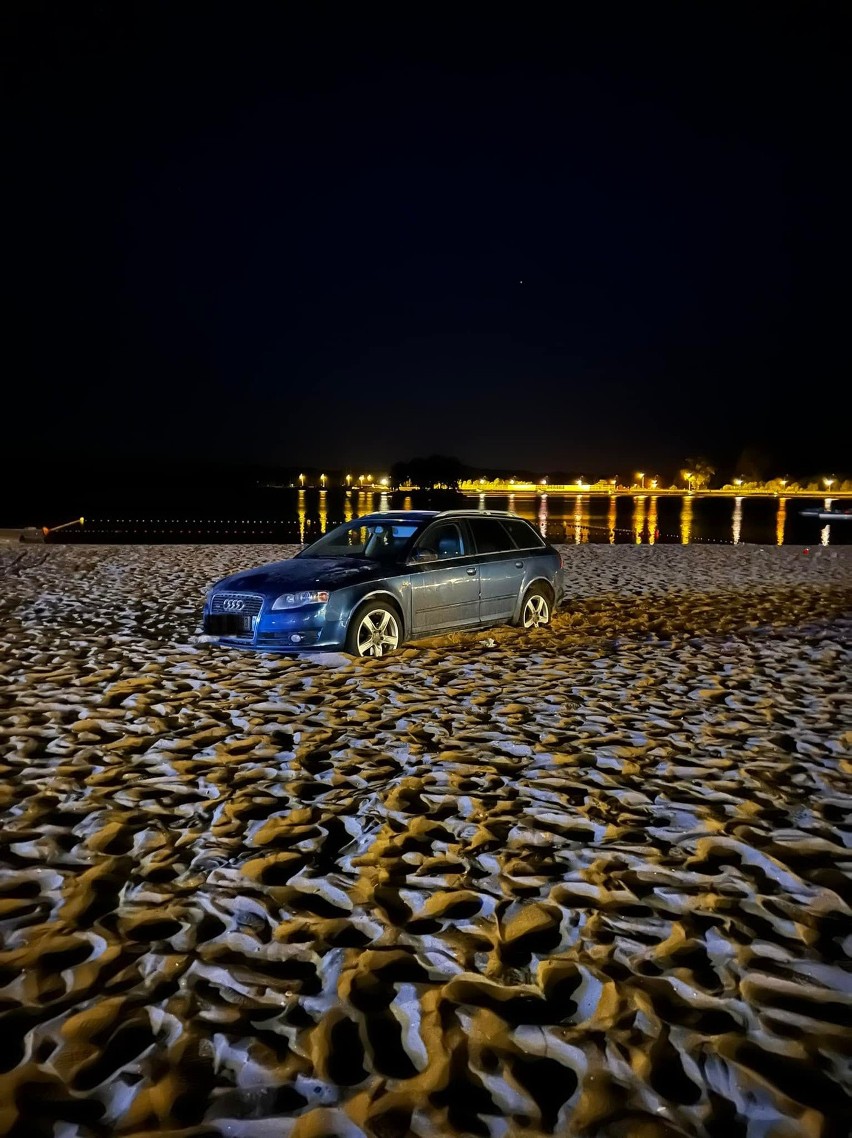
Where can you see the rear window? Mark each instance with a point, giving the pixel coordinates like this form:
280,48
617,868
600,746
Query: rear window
504,535
490,536
524,536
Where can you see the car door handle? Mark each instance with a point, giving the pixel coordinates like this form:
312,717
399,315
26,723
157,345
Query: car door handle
471,572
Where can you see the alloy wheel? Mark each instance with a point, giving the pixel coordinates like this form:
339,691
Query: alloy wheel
378,633
536,611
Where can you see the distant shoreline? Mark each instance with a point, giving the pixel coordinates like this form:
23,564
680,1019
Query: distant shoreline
288,515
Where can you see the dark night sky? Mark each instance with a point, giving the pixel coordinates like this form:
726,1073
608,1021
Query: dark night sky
235,233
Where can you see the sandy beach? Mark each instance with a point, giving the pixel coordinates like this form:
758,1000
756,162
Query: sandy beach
593,880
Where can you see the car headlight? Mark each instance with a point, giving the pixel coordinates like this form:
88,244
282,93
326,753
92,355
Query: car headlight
294,600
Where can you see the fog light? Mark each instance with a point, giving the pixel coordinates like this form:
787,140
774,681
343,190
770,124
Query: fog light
295,638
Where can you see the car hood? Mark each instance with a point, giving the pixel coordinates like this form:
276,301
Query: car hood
304,573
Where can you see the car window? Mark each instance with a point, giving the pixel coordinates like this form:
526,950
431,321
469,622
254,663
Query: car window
445,540
378,540
490,536
346,541
523,535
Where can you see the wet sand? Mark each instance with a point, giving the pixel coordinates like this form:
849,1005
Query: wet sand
593,880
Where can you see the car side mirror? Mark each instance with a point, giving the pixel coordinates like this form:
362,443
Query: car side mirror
423,555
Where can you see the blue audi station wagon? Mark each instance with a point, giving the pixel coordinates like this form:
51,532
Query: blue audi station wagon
373,583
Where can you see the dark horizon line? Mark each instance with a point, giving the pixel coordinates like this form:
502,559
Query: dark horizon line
191,470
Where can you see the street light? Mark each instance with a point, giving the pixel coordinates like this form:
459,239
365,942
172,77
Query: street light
829,482
688,476
641,474
322,480
301,480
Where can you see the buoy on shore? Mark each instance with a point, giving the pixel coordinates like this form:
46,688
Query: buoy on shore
33,533
40,533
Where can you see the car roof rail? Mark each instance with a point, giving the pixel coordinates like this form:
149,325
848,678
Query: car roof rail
478,514
402,515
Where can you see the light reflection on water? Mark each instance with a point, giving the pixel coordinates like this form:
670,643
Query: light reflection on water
825,533
641,518
686,520
579,519
653,532
780,521
542,516
737,524
640,503
524,508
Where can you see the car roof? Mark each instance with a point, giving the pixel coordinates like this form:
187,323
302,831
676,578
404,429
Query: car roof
428,515
399,516
480,514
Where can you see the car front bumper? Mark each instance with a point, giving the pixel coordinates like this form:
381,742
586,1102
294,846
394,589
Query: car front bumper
296,630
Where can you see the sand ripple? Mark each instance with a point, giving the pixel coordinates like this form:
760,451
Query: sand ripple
596,880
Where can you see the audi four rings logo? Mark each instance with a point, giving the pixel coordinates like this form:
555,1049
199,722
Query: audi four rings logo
233,604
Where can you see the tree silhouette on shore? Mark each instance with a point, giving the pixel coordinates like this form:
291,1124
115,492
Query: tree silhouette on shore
437,472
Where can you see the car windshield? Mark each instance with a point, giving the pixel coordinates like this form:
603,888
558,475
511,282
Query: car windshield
377,540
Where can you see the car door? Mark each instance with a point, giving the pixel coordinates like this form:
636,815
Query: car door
444,580
501,569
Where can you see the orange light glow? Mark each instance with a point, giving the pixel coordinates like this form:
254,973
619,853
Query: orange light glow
303,516
781,521
652,519
685,520
639,507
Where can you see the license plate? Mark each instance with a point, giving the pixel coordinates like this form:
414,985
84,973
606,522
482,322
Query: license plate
227,624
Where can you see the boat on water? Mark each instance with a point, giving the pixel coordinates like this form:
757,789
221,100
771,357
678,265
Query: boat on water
836,513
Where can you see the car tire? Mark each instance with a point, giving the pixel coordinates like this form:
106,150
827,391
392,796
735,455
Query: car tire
374,630
536,608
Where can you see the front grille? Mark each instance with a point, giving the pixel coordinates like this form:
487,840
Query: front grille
233,614
245,603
